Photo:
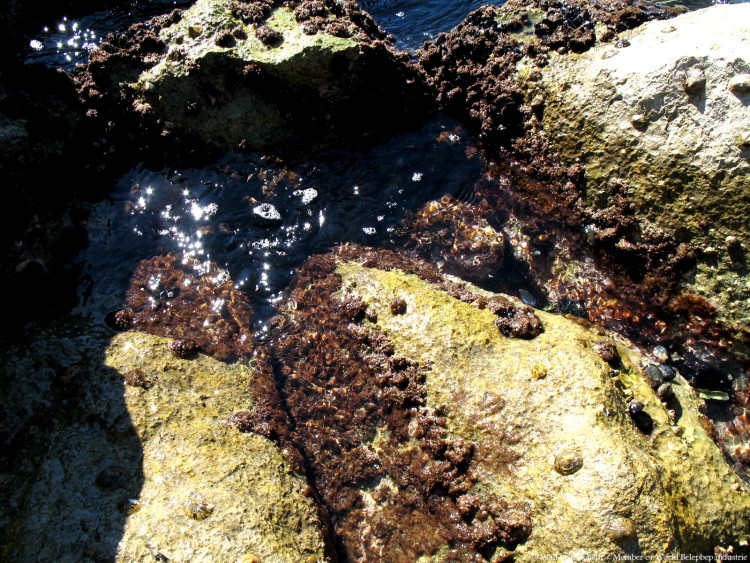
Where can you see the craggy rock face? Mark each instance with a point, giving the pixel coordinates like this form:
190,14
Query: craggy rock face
623,255
472,66
668,129
252,76
143,471
429,431
395,482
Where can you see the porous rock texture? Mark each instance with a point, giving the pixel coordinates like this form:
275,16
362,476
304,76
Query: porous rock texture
473,443
121,451
663,116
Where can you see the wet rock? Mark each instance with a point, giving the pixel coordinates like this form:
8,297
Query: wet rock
392,477
203,313
472,67
681,166
106,471
480,386
457,236
255,77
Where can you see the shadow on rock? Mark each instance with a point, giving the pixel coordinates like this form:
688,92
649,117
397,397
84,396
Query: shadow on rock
72,465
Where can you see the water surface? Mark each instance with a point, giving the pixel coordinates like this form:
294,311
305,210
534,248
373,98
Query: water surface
257,219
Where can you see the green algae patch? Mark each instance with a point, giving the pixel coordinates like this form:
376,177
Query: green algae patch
219,83
196,36
137,461
209,490
596,484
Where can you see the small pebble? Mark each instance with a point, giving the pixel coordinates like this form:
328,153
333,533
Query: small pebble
667,372
654,373
739,85
635,407
639,121
539,371
660,353
732,242
620,529
695,81
665,392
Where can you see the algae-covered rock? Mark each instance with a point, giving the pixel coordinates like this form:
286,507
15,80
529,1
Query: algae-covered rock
121,451
664,114
256,75
596,484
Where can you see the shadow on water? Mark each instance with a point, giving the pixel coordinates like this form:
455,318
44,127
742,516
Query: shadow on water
71,464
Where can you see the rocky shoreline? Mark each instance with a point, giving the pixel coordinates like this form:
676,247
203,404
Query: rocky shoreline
391,411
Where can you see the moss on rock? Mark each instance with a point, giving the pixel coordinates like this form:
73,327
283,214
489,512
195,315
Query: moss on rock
657,116
150,469
214,76
553,399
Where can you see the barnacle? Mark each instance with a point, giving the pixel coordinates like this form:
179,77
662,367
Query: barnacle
568,462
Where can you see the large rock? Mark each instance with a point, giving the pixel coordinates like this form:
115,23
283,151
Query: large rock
664,114
149,469
254,76
446,423
558,403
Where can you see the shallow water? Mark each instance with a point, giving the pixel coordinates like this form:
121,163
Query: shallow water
67,42
257,219
412,22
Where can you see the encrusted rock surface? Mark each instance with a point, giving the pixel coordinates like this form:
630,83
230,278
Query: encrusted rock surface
253,75
120,451
661,120
429,433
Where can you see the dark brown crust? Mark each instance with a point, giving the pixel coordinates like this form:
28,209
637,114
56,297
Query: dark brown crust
358,415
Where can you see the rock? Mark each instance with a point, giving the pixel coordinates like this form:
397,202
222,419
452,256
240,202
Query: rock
45,172
468,431
152,469
234,75
665,118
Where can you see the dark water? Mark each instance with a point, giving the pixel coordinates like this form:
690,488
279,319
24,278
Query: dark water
257,219
413,22
66,43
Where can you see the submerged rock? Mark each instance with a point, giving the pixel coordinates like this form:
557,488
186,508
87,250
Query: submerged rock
661,122
255,75
429,433
123,452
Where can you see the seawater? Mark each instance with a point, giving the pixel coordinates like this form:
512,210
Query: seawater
412,22
67,42
257,219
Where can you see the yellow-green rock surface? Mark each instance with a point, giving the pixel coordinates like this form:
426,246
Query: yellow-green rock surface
128,473
553,401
